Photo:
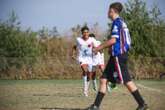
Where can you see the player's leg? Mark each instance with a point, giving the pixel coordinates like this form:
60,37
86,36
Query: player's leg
89,73
102,67
94,67
84,68
137,96
110,85
130,84
94,78
87,68
103,85
100,95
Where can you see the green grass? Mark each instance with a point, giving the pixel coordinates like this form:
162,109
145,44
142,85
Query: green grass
10,82
37,94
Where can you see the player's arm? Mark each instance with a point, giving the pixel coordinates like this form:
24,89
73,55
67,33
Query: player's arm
106,44
114,35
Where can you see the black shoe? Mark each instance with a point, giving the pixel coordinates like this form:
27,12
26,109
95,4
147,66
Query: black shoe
92,107
144,107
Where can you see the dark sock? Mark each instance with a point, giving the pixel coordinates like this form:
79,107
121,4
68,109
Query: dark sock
88,79
138,98
88,76
98,99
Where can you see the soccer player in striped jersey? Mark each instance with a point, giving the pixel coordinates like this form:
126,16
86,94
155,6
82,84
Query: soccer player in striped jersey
119,45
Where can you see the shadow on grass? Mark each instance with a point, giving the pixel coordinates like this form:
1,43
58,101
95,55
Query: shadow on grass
58,108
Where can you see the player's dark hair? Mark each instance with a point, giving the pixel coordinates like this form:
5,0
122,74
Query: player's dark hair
84,28
117,6
92,35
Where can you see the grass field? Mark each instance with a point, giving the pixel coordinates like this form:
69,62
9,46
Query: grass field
67,95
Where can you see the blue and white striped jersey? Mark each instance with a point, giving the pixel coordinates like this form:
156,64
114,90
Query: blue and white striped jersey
120,31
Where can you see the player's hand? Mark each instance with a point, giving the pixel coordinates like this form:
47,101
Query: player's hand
95,50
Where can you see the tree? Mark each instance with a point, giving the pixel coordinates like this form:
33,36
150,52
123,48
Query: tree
146,29
76,31
43,33
16,47
54,32
13,20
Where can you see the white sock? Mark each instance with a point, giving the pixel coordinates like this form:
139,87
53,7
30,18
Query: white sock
84,79
85,84
95,84
88,84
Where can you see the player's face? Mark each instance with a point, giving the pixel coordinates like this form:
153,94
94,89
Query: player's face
111,13
85,34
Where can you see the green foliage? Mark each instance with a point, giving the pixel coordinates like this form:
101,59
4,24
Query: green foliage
16,47
146,29
45,55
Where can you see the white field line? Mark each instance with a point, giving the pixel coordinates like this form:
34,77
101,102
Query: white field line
151,89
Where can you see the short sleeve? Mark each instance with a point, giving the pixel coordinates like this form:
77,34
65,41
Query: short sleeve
115,30
94,42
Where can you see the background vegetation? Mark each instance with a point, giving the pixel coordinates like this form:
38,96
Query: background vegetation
46,54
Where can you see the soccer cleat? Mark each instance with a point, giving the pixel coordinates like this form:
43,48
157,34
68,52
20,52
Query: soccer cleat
95,88
85,94
92,107
144,107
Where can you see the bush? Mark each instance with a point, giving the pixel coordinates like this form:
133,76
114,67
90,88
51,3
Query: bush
146,29
16,47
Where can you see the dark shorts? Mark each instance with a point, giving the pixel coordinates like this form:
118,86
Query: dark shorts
117,65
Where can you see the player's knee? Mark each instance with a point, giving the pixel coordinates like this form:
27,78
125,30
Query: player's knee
83,73
131,86
93,77
89,76
84,68
103,82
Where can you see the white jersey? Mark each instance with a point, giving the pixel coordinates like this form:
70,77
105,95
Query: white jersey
98,59
85,50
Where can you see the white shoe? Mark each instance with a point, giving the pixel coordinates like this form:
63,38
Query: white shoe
85,94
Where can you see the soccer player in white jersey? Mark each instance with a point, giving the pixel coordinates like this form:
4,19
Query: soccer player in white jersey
98,61
84,45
